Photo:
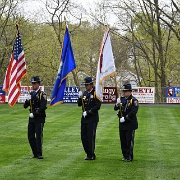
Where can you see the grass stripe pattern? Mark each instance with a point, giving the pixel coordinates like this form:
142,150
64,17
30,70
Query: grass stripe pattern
156,150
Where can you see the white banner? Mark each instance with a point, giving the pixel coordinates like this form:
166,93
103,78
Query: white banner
24,93
144,94
173,100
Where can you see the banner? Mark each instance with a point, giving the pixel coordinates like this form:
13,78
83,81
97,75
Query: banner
71,94
110,95
2,95
24,93
144,94
173,94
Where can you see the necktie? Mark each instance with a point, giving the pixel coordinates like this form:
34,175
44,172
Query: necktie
34,94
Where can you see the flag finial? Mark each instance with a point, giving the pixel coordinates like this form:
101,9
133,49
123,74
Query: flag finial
17,26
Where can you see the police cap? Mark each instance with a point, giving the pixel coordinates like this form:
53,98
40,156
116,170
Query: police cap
35,79
88,80
127,87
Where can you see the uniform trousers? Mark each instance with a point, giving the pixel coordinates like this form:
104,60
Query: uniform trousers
88,136
127,143
35,137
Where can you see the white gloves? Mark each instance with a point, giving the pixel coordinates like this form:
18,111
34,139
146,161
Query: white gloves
84,114
118,101
28,97
31,115
122,120
80,94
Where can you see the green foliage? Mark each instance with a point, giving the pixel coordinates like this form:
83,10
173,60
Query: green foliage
136,49
86,42
42,53
156,145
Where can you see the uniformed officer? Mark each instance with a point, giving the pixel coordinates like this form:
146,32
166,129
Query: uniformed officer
90,117
37,101
128,108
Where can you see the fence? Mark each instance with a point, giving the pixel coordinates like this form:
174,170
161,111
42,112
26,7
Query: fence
143,94
161,94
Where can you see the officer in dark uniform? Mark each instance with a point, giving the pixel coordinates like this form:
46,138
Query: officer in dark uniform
37,101
90,117
128,108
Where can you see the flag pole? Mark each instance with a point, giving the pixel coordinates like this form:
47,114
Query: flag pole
17,27
120,105
80,89
67,65
116,85
76,73
29,92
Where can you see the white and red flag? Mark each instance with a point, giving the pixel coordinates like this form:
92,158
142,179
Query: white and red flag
16,70
106,66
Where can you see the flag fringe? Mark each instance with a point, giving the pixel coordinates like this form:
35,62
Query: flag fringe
105,77
60,102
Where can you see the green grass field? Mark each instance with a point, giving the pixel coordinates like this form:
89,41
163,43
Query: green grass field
156,151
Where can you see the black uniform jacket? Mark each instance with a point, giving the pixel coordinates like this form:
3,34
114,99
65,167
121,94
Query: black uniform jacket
91,105
38,103
129,108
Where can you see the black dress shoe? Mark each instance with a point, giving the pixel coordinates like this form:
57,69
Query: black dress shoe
90,158
33,157
127,160
40,157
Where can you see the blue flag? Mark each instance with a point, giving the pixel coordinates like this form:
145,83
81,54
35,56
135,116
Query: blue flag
67,64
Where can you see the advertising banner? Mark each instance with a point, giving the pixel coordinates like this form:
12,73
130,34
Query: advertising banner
71,94
110,95
24,93
173,94
2,95
144,94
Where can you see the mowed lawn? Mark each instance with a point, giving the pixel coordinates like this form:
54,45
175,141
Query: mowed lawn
156,151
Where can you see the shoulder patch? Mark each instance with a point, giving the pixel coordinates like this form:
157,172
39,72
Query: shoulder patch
136,102
44,96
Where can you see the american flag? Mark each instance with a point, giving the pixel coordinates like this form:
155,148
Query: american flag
16,70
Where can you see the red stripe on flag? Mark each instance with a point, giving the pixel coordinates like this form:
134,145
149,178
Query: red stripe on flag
8,74
102,49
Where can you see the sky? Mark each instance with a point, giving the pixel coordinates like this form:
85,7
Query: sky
33,8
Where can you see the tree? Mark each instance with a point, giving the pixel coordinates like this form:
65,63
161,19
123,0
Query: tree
59,11
141,26
8,19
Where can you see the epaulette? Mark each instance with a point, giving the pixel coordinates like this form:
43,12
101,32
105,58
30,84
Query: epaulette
135,101
42,93
130,101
